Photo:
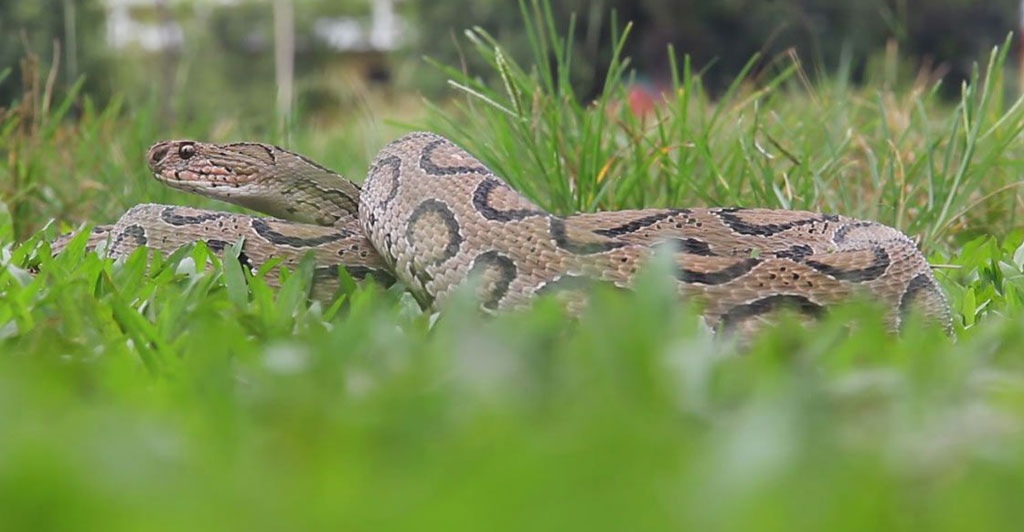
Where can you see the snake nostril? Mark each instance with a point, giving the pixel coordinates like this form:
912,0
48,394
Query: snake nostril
157,154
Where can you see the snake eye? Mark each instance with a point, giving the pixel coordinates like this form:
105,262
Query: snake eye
186,151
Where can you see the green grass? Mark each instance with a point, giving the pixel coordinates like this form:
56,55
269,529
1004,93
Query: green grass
182,397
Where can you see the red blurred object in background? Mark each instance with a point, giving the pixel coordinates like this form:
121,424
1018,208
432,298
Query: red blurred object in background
644,96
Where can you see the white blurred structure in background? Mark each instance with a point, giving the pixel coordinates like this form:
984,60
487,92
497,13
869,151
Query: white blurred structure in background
131,23
381,31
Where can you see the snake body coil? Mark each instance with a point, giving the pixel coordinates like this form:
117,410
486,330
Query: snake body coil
433,216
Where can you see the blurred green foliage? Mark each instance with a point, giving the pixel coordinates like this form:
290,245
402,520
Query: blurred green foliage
186,394
224,69
36,35
832,36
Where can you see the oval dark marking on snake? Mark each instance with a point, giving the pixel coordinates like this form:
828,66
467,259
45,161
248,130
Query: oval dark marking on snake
439,208
135,232
921,283
556,227
639,223
693,246
770,304
216,245
244,260
328,273
101,230
394,164
841,233
729,217
506,269
262,228
724,275
796,252
482,203
868,273
359,273
431,168
171,216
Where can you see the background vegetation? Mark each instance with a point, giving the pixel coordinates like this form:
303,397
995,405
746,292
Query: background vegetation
224,68
184,393
831,37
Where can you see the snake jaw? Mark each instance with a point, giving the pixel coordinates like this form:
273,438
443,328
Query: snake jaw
211,175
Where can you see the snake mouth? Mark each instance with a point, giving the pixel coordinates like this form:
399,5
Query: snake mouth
215,186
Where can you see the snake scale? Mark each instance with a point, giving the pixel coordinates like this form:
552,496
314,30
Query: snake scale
432,216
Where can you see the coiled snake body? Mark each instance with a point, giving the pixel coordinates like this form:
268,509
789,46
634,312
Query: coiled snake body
433,216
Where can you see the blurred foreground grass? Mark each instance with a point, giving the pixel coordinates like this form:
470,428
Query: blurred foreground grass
185,397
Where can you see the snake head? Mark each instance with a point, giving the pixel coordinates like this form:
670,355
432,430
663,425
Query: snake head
203,168
257,176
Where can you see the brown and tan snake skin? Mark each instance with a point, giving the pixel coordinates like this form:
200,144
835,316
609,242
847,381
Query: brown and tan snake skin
433,216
